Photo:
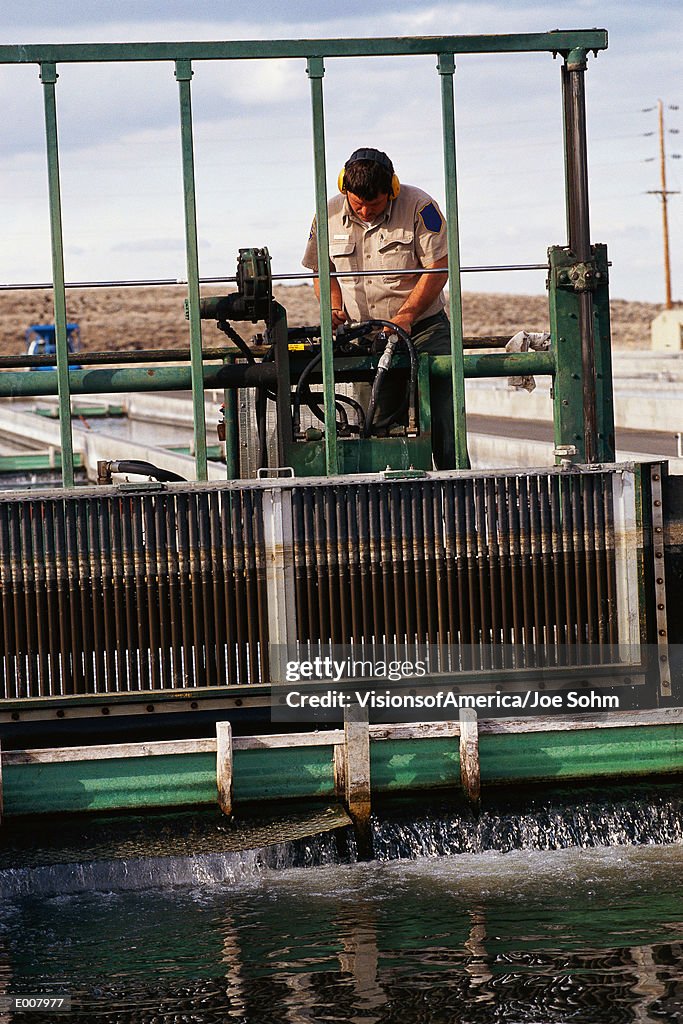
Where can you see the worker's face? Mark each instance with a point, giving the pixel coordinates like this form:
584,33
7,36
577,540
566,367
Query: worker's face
368,209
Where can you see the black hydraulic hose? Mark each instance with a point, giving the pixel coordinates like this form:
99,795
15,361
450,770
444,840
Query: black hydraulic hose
145,469
412,354
237,340
382,367
356,406
340,400
261,411
296,402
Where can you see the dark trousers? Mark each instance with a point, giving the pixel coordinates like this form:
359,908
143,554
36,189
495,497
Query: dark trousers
432,336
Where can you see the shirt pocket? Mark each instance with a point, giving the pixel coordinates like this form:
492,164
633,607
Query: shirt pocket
397,252
343,255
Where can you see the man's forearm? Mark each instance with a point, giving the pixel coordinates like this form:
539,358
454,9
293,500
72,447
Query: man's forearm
336,300
335,292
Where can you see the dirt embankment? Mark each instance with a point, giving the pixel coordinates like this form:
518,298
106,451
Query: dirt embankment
153,317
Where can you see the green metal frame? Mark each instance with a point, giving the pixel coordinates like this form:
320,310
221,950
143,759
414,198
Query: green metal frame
568,381
572,45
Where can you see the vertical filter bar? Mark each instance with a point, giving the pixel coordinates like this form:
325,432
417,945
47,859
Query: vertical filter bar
578,229
48,76
446,68
183,74
315,69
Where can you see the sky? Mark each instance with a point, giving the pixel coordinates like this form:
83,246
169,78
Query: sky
120,142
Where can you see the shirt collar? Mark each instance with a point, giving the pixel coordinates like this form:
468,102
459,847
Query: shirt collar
348,216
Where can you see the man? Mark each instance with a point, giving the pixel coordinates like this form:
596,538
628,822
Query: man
378,224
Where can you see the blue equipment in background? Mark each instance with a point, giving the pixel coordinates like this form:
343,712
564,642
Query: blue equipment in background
41,341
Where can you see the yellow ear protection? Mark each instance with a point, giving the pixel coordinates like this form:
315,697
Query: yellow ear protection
379,158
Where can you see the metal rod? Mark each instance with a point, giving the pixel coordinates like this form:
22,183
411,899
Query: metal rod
68,512
407,563
196,591
58,653
446,69
315,69
493,559
345,557
48,76
314,624
365,563
218,597
169,534
163,575
578,217
184,586
259,627
394,496
256,49
250,585
547,574
41,611
166,282
97,599
32,605
462,574
105,548
146,514
504,570
137,549
229,592
206,573
183,74
123,652
452,575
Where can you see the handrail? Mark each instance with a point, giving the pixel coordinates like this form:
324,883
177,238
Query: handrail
557,41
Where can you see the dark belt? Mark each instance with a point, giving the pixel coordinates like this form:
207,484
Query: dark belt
429,321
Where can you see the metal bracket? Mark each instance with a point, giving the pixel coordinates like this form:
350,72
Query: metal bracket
147,486
565,451
274,472
403,474
580,277
660,582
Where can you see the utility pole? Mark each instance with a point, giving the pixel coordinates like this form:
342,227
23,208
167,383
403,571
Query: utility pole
664,193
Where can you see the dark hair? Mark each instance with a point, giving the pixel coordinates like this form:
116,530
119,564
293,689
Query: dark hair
368,178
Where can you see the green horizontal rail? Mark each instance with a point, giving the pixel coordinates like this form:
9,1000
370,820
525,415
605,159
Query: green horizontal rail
559,41
179,378
36,461
302,772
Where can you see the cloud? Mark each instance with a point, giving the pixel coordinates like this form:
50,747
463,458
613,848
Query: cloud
119,136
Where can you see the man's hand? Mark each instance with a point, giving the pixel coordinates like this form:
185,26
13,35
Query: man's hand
402,320
339,317
422,296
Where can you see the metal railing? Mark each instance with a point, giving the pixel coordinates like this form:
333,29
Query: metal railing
572,45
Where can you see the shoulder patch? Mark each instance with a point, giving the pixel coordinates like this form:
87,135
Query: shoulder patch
312,231
431,218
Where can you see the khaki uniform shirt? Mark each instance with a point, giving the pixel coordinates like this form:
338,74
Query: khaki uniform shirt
411,233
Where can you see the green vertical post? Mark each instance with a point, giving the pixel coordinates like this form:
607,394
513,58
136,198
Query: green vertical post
603,358
446,68
315,69
48,76
566,338
183,74
230,415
